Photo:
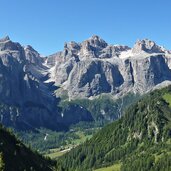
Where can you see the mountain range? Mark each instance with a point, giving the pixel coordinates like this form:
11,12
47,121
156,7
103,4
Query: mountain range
32,86
93,67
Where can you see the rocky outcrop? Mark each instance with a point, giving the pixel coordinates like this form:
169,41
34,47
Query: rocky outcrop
146,46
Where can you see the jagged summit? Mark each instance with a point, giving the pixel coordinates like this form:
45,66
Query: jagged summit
6,38
7,45
146,45
71,46
96,47
32,55
95,41
95,38
29,47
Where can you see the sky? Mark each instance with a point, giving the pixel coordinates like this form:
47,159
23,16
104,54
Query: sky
48,24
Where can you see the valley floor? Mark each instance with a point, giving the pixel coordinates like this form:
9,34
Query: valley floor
57,152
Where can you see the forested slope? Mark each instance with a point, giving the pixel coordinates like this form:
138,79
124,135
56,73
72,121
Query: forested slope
15,156
140,140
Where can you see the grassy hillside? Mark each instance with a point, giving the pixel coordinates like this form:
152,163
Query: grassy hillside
69,144
16,156
139,141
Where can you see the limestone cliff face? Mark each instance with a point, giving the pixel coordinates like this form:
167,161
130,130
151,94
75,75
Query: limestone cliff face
93,67
93,77
19,68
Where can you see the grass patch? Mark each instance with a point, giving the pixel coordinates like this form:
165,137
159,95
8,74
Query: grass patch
115,167
55,153
167,98
71,143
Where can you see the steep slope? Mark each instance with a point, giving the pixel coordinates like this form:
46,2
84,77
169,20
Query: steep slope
15,156
140,140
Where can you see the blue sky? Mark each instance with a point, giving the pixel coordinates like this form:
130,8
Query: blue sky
47,24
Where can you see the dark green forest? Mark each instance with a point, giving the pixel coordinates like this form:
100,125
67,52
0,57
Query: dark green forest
139,141
15,156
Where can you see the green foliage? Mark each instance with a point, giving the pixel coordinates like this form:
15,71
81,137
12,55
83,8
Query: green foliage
139,140
167,97
36,139
115,167
2,164
14,155
146,161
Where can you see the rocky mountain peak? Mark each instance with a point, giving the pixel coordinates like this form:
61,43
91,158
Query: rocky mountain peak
29,47
32,55
146,45
8,45
71,45
96,41
120,48
71,49
6,38
91,47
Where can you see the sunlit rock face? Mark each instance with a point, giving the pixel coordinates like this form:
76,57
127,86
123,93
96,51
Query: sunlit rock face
146,46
